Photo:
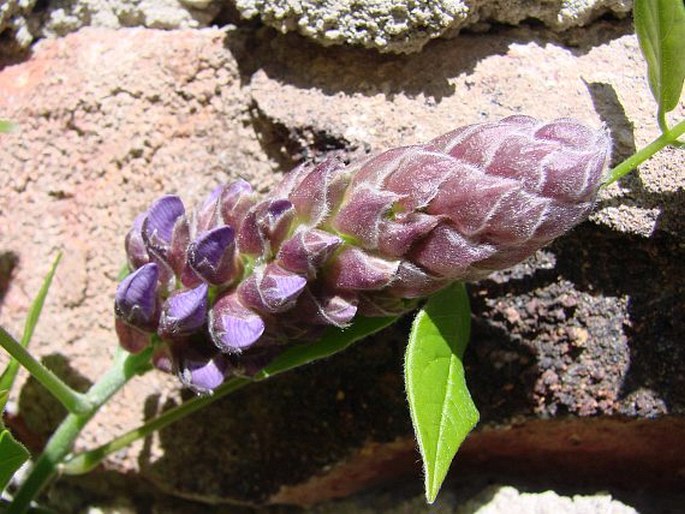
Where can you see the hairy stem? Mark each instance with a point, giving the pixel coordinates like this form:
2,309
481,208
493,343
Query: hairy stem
645,153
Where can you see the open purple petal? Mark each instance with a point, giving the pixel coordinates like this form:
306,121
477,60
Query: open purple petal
135,301
184,312
233,326
212,255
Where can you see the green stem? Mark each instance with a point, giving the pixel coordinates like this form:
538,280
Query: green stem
332,342
645,153
124,367
74,401
86,461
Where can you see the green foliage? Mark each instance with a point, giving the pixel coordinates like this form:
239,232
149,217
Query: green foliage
660,27
441,407
333,341
10,373
12,453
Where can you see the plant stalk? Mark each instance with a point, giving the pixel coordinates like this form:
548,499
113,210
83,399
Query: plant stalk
645,153
75,402
88,460
125,366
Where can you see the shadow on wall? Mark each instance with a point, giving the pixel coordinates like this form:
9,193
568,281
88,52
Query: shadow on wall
294,60
8,262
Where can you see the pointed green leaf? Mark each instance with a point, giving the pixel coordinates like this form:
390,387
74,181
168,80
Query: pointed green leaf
333,341
660,27
441,407
10,373
12,453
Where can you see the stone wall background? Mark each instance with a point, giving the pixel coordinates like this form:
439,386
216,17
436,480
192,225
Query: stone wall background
577,357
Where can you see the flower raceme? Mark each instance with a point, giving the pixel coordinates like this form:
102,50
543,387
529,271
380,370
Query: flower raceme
227,286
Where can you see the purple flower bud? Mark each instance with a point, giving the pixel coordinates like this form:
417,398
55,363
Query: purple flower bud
236,199
135,301
469,198
353,269
184,312
158,226
419,177
448,254
198,370
208,215
362,213
130,338
212,255
397,236
136,253
233,326
265,226
318,190
271,289
307,251
327,308
414,282
162,359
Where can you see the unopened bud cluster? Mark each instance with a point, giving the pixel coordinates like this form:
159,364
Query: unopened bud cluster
228,285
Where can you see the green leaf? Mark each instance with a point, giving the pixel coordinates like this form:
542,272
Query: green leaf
6,126
12,453
333,341
660,27
10,373
441,407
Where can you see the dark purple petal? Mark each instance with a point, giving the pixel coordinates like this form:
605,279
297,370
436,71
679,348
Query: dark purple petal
135,301
212,255
355,269
136,253
130,338
271,289
184,312
233,326
159,223
307,251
